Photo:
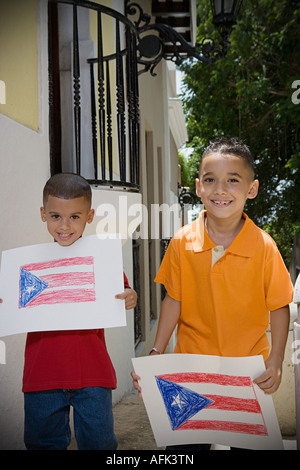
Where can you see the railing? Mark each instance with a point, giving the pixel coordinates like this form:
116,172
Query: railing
105,161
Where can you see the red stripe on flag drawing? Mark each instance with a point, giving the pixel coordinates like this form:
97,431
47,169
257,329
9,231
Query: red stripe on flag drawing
68,279
229,426
226,402
59,263
64,296
233,404
220,379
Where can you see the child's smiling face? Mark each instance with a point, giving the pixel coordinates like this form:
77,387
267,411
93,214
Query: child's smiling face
66,218
225,183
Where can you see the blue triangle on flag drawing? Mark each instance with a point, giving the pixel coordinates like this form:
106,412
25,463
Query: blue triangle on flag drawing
180,402
30,287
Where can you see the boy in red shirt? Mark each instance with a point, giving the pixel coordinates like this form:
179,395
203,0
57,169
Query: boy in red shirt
69,368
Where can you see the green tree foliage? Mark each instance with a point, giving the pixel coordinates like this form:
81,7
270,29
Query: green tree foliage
185,170
248,94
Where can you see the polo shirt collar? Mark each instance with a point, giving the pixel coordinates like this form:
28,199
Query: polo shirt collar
243,245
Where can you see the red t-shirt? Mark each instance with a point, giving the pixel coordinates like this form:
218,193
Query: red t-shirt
68,359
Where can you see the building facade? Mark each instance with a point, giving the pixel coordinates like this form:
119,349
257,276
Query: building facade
41,95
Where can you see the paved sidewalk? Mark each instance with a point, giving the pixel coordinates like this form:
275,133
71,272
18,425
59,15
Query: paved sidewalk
133,429
132,426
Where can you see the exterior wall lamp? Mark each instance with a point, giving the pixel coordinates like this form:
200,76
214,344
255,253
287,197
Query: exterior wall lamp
161,41
225,14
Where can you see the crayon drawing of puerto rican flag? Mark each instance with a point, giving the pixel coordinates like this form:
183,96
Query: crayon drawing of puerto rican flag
48,287
208,399
65,280
215,407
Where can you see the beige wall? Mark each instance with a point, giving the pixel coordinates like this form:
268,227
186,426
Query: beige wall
19,60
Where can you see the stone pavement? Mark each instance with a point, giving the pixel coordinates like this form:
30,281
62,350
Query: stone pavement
132,426
133,429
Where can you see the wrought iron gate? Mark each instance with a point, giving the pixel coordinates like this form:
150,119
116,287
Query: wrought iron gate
113,108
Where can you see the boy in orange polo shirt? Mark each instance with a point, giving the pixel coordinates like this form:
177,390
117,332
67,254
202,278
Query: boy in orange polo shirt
225,278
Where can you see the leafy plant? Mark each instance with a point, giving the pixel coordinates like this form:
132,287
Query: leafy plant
248,94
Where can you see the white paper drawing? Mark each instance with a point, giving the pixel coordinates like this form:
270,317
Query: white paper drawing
194,399
49,287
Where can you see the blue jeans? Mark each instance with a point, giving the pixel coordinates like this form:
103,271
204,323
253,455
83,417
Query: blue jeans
47,419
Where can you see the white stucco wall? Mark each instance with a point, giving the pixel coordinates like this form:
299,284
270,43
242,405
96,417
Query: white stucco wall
24,166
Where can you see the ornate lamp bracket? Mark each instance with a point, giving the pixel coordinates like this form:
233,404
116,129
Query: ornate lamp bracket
161,41
187,197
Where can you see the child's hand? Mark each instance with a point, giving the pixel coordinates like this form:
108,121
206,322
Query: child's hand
130,297
135,379
270,380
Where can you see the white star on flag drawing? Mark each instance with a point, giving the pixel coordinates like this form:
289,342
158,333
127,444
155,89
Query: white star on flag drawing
177,401
181,403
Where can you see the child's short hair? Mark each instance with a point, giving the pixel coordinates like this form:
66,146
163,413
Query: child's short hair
233,146
67,186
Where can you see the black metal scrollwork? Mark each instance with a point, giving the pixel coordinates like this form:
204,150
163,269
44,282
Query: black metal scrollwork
187,197
153,38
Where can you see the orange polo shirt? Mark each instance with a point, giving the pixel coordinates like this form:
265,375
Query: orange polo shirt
225,306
